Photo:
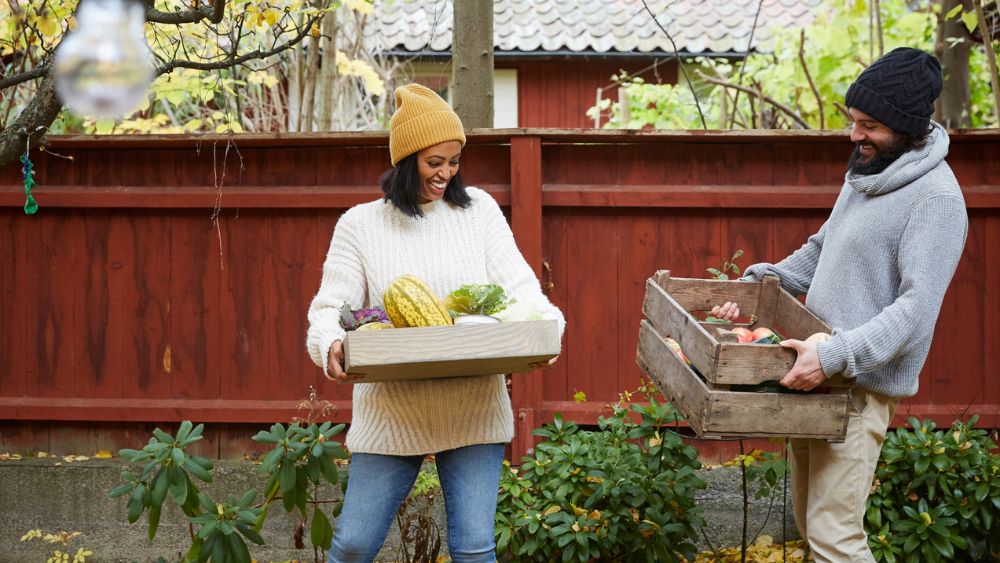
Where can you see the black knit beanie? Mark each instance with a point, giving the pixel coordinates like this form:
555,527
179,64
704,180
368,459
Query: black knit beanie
899,90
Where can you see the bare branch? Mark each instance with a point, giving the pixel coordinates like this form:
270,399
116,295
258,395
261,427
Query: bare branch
37,72
991,59
756,92
234,60
805,68
743,67
680,63
212,12
843,110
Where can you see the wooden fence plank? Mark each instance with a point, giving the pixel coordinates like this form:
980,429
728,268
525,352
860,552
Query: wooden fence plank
138,315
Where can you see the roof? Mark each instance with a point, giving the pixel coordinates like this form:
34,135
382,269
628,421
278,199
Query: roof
593,26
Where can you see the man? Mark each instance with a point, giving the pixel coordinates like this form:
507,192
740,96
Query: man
876,272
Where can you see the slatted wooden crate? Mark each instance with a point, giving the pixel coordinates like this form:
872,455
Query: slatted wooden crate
702,392
449,351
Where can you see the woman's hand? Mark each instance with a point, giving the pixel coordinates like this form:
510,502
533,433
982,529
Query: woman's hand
335,363
540,365
728,311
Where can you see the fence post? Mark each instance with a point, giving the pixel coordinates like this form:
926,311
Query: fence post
526,223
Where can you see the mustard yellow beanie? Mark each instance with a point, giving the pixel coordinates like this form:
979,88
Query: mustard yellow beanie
422,120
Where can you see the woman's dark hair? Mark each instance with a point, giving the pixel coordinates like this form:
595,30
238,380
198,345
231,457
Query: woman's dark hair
401,187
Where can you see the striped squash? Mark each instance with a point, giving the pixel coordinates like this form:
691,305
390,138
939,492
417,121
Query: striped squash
409,302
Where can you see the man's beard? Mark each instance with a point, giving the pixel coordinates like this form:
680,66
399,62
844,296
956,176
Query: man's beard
884,156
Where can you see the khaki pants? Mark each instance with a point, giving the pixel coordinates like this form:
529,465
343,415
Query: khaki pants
831,482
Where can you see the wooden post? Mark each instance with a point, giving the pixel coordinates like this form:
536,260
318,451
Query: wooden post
526,223
472,63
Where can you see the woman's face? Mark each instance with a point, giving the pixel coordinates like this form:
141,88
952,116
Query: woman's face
436,166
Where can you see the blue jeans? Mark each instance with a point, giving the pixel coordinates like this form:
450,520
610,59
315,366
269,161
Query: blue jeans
378,484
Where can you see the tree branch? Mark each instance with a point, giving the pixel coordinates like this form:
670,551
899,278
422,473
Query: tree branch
805,68
680,63
234,60
778,105
212,12
31,124
32,74
743,67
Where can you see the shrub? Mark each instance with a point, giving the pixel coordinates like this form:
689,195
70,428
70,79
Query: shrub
622,492
301,459
936,496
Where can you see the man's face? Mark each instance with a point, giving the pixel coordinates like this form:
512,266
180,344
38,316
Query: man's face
876,146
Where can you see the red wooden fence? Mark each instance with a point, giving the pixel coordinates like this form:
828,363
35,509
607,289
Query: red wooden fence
167,278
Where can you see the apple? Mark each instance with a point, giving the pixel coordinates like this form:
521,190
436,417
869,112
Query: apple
818,337
761,332
676,349
743,335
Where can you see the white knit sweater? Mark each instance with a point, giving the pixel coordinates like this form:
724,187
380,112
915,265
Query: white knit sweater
373,244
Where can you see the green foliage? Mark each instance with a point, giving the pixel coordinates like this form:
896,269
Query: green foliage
477,299
301,459
727,267
835,47
765,471
936,496
622,492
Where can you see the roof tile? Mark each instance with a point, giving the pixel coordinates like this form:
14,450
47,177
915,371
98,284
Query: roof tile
697,26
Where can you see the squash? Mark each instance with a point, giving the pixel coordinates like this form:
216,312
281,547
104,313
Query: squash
409,302
374,326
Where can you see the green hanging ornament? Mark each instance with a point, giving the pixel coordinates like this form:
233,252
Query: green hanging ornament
30,205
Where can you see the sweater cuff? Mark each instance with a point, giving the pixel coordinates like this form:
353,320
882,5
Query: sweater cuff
755,272
833,356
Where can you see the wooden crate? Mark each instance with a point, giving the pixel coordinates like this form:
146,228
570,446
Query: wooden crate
449,351
704,394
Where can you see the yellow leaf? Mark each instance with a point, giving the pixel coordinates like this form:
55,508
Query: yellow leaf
193,125
552,510
271,15
103,454
360,6
580,397
764,539
104,126
47,25
970,20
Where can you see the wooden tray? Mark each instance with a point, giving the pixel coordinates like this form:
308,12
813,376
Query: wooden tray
401,354
730,414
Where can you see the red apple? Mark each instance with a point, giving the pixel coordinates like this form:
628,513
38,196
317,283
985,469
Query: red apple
761,332
676,349
743,335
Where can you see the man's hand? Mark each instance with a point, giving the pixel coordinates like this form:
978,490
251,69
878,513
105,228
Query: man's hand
335,364
807,373
728,311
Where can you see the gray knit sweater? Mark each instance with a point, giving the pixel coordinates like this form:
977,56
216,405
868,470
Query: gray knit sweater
877,270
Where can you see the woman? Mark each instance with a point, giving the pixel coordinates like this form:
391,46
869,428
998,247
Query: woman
430,225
